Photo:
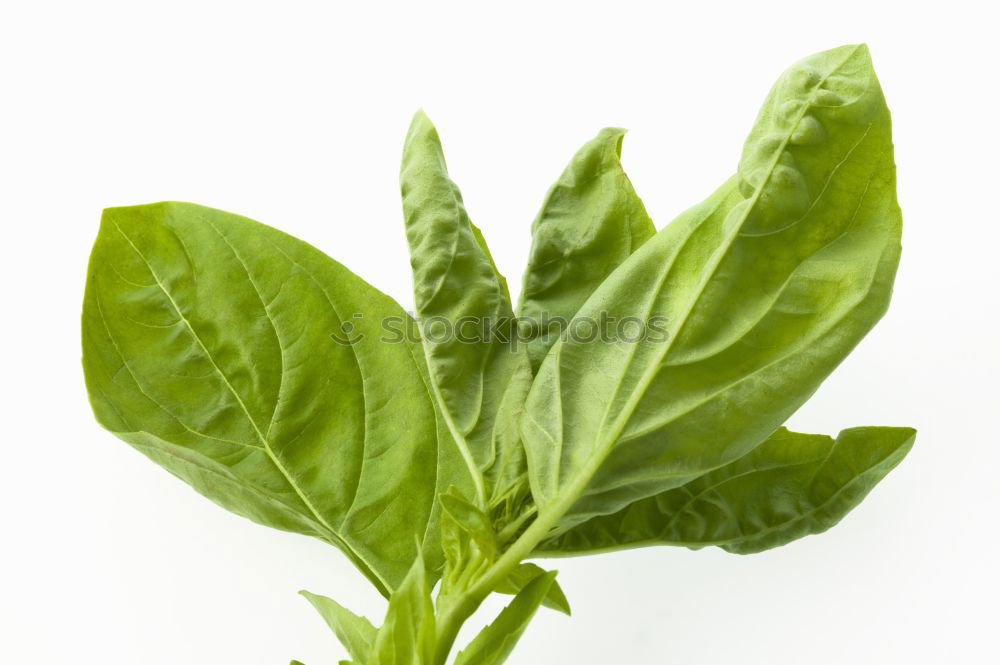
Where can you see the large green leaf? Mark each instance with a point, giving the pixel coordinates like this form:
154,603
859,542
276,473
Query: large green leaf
792,485
590,222
407,635
356,633
478,374
495,642
208,345
761,291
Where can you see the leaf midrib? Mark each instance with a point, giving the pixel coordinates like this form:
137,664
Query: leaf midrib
649,429
561,500
619,424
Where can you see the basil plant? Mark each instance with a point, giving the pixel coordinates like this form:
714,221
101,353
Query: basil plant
633,396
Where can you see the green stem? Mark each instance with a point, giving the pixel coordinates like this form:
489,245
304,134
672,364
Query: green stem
462,607
458,611
511,529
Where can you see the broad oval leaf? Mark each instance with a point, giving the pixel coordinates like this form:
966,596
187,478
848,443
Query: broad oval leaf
478,374
759,293
792,485
209,345
590,222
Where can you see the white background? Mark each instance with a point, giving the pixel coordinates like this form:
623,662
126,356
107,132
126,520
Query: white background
293,113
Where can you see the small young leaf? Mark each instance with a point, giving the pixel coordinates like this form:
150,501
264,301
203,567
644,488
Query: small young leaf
523,575
455,544
356,633
790,486
495,642
590,222
468,540
470,519
407,634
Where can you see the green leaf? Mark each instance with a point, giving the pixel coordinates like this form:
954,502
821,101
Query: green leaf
523,575
792,485
356,633
757,293
208,345
495,642
407,634
590,222
472,520
466,316
508,475
468,540
481,240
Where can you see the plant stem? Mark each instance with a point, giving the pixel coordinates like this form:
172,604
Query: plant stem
462,608
458,611
511,529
